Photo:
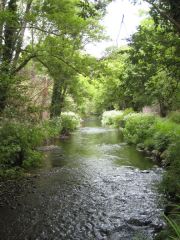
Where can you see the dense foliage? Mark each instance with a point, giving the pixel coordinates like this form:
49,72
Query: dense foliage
19,141
50,33
166,12
144,73
69,122
108,117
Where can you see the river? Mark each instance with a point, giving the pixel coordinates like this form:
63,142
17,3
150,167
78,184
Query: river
92,186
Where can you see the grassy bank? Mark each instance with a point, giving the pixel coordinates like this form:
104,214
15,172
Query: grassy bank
19,141
159,138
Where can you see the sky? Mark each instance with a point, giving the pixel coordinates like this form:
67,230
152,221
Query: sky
120,23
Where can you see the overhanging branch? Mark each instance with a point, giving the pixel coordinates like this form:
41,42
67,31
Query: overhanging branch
165,15
23,64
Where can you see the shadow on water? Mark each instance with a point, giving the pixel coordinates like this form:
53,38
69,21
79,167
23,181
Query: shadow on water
92,186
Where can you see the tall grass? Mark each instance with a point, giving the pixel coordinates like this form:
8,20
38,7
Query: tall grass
175,227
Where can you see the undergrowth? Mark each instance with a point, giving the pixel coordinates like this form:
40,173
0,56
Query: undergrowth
20,140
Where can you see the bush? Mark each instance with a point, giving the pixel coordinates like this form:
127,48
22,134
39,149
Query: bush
11,173
171,178
19,141
51,128
174,117
66,123
18,145
69,122
155,133
138,127
149,144
166,133
119,120
108,117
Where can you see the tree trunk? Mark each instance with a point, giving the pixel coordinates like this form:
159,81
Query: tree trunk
19,40
10,30
163,109
59,91
2,7
11,39
44,99
3,97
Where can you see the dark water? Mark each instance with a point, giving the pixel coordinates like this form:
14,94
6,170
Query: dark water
93,186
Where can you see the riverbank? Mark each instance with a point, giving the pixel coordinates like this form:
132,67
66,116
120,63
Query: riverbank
157,137
20,141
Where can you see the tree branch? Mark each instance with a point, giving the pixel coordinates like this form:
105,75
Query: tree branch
44,31
69,65
61,59
165,15
21,35
23,64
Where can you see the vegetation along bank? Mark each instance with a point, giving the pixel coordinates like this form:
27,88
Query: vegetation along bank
20,141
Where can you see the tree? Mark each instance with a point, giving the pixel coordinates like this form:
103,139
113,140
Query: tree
143,73
165,12
64,63
66,19
153,72
107,82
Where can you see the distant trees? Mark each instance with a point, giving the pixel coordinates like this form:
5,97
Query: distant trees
154,57
146,72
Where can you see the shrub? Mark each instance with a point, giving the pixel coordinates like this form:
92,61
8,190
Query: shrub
162,141
138,127
166,133
119,120
18,145
66,123
69,122
51,128
171,178
19,141
149,144
174,116
108,117
11,173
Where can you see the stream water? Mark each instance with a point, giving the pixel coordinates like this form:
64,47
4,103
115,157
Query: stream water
92,186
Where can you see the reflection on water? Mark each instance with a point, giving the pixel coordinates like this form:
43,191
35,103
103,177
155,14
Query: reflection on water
96,142
94,186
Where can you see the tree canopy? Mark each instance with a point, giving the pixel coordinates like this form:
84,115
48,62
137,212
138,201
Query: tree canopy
144,73
52,34
31,29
